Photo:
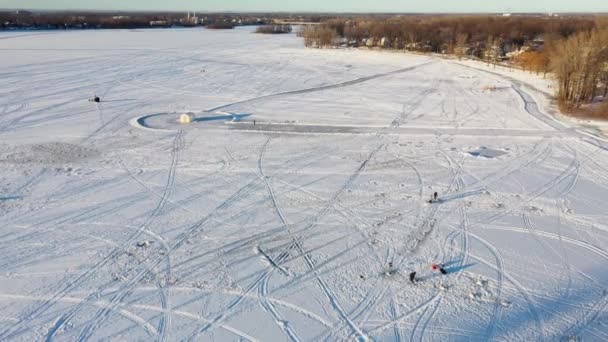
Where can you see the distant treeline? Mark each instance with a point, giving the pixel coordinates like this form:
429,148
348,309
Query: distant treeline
25,20
574,49
274,29
441,34
29,20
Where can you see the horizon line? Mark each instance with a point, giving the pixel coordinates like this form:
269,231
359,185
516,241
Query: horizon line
281,11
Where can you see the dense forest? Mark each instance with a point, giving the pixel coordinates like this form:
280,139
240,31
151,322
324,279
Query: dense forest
573,49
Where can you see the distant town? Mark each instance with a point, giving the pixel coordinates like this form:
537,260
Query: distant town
29,20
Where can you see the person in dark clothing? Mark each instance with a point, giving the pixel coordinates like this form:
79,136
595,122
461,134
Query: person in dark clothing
439,268
435,196
413,277
390,270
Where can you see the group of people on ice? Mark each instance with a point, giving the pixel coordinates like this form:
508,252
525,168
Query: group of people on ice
434,267
441,268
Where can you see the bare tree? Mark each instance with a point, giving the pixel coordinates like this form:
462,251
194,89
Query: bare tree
461,44
579,65
318,36
489,51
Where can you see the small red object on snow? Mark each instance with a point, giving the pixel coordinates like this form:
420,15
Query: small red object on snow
434,267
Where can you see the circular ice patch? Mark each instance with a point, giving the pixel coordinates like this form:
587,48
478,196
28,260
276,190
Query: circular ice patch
485,152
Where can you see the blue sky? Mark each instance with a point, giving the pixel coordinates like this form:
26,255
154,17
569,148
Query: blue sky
320,5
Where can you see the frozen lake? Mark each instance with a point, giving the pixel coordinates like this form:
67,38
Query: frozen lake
295,204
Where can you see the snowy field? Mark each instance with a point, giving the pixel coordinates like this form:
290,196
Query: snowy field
276,213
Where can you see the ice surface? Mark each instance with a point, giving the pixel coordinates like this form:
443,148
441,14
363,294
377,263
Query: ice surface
275,213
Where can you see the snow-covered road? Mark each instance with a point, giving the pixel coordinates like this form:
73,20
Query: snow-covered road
276,213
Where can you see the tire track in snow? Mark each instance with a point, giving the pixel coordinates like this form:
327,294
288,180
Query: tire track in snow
497,309
419,320
322,88
287,305
568,172
499,268
355,220
438,296
360,313
131,316
395,314
457,184
138,320
263,290
190,232
580,243
532,108
500,271
308,261
286,226
591,316
116,245
435,307
71,285
423,306
537,235
534,156
104,314
311,265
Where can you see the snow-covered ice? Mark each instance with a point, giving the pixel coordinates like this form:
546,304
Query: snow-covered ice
275,213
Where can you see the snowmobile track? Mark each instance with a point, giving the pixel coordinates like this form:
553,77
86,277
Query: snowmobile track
322,88
102,315
83,277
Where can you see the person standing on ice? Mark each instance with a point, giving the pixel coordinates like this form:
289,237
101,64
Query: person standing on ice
434,197
439,267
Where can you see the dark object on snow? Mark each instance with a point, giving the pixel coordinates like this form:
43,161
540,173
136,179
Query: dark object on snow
439,268
413,277
96,99
390,271
434,198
